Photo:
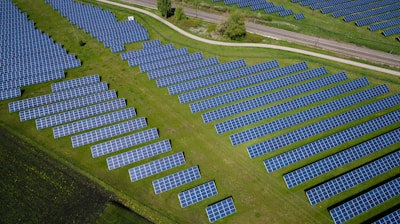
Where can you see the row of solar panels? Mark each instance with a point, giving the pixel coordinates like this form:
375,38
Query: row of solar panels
73,95
379,14
27,55
335,91
101,24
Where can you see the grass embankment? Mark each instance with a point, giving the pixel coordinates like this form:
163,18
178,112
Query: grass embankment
259,197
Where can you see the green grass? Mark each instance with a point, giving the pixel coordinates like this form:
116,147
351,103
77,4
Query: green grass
259,197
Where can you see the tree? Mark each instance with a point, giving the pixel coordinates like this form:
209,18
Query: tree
164,6
234,28
179,14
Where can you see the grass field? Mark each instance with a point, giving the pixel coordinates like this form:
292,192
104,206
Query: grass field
259,197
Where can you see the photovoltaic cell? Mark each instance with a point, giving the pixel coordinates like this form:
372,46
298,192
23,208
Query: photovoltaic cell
220,209
74,83
339,159
366,201
139,154
176,179
197,194
108,132
80,113
94,122
123,142
353,178
156,166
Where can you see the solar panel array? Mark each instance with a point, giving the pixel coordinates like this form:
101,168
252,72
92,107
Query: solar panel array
27,55
366,201
392,218
156,166
196,194
176,179
112,33
353,178
138,154
75,83
342,158
303,116
322,126
108,132
124,142
220,209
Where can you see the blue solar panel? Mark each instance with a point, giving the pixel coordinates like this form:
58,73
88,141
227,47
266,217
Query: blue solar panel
266,113
300,117
330,163
123,142
30,79
176,179
94,122
220,209
108,132
331,141
10,93
57,97
353,178
151,43
322,126
170,62
197,194
73,115
242,82
156,57
62,106
138,154
392,218
74,83
366,201
254,90
156,166
147,51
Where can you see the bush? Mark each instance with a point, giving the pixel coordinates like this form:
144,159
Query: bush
164,6
234,28
179,14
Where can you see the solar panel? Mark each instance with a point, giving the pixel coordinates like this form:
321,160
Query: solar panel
196,194
151,43
353,178
366,201
123,142
170,62
108,132
392,218
176,179
62,106
147,51
303,116
332,162
80,113
322,126
156,57
74,83
94,122
31,80
331,141
220,209
156,166
269,112
57,97
10,93
138,154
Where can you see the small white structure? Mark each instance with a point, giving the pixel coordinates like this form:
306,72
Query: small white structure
131,18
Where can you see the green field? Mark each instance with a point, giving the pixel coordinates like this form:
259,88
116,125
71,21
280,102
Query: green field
259,197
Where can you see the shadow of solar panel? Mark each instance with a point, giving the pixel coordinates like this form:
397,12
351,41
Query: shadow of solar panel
108,132
220,209
331,141
81,113
269,112
75,83
322,126
197,194
62,106
94,122
353,178
306,115
123,142
57,97
156,166
176,179
138,154
254,90
240,83
366,201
